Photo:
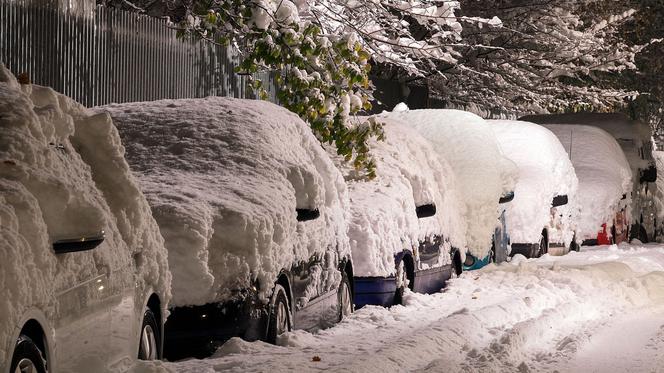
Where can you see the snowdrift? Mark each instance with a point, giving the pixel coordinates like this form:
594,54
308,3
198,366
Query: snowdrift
545,171
383,219
224,178
482,172
603,172
63,175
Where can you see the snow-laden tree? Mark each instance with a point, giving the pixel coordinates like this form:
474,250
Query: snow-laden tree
549,55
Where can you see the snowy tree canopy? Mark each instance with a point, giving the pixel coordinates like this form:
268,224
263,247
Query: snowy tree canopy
546,57
506,56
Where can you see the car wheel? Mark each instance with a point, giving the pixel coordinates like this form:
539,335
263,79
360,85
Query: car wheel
148,347
279,321
27,357
345,298
402,281
543,246
456,262
573,246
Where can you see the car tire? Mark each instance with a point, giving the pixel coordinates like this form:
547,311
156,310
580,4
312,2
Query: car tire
345,298
279,320
457,265
543,246
27,357
150,340
402,272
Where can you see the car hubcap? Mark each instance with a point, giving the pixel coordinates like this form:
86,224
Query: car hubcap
346,306
148,343
282,319
25,366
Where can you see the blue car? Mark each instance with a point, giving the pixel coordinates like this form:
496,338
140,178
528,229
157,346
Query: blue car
406,229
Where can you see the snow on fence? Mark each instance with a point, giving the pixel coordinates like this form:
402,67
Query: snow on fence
111,55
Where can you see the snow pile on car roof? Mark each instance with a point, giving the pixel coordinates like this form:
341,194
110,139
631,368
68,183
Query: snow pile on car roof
62,176
545,171
630,134
482,172
603,172
224,178
383,217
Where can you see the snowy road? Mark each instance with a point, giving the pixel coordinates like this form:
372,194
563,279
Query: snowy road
601,310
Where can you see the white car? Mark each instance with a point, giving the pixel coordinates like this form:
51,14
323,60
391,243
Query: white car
635,139
406,227
254,214
543,211
485,177
84,274
605,183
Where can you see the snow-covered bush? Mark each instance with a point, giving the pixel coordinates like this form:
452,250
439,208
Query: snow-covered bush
63,175
545,171
224,178
482,172
383,218
603,172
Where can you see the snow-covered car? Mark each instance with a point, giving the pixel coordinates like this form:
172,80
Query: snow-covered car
605,183
485,177
254,214
84,275
635,139
543,213
406,225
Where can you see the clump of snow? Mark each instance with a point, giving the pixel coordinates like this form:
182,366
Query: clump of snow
482,172
383,219
63,176
603,172
545,171
224,178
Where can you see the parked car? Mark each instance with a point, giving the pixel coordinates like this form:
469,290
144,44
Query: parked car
605,183
635,139
84,271
484,175
543,212
406,226
254,215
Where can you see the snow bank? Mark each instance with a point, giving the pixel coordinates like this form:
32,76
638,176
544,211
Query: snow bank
483,174
224,178
545,171
383,218
63,175
603,172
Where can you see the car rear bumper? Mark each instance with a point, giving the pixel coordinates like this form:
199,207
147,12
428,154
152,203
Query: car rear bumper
529,250
379,291
197,331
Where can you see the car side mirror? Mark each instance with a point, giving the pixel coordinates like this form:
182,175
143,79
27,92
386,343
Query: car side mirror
425,211
307,214
559,201
507,197
648,175
72,245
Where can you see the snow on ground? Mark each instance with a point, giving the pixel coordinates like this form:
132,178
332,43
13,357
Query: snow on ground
483,173
545,171
603,172
600,310
224,178
383,217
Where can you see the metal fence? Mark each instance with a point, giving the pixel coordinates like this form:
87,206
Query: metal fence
114,56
